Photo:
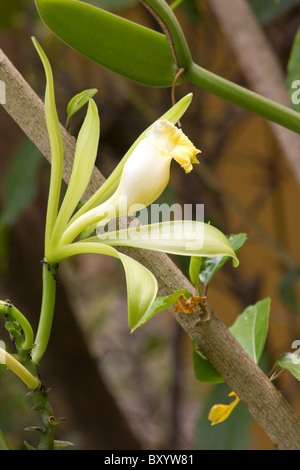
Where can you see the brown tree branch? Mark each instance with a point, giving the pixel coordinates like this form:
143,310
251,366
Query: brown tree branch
263,400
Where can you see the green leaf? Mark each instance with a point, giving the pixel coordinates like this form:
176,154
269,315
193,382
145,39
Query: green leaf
161,303
251,327
84,160
194,269
79,100
124,47
56,145
210,266
112,4
20,182
180,237
291,362
141,284
293,74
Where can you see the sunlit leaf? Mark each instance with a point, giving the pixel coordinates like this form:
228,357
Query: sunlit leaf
84,160
161,303
141,284
194,269
251,327
124,47
56,144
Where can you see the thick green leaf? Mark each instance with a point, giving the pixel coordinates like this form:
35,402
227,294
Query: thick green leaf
84,160
180,237
293,74
291,362
251,327
112,4
210,266
126,48
141,284
161,303
79,100
56,145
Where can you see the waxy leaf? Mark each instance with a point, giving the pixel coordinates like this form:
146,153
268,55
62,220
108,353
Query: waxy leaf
141,284
84,161
251,327
161,303
126,48
180,237
56,144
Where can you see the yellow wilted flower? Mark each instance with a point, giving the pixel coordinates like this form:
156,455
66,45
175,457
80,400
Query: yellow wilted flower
219,413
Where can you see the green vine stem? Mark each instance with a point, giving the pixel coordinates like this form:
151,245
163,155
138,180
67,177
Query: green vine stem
244,98
6,308
213,83
47,310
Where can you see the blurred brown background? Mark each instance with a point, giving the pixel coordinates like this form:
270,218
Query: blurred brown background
122,391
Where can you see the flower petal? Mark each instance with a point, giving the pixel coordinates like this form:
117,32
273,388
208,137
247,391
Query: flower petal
180,237
141,283
111,184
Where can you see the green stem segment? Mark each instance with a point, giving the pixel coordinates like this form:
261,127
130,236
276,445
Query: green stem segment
47,310
6,308
174,34
244,98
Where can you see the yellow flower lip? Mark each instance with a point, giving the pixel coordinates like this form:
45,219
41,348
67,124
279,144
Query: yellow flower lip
175,143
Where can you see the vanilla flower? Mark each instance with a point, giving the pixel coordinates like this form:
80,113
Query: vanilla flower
145,175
